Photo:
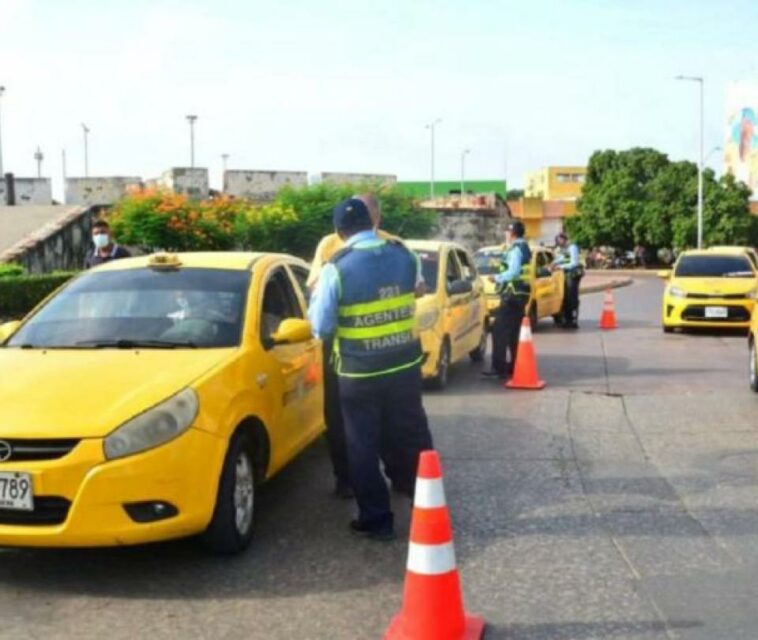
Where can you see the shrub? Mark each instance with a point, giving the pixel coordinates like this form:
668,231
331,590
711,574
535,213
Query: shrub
20,294
8,270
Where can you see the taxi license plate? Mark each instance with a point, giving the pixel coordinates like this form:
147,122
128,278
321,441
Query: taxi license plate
16,492
716,312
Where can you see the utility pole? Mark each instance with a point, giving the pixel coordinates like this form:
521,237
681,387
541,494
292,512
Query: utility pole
224,158
86,130
700,81
2,91
431,126
192,119
39,157
464,153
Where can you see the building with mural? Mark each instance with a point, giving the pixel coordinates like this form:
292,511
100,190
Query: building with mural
741,144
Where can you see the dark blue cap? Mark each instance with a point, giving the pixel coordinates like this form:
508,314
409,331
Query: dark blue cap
352,214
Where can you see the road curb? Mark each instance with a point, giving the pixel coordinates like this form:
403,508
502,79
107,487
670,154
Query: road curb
609,284
642,273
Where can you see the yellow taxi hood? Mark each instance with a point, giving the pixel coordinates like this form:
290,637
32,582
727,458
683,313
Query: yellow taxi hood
715,286
88,393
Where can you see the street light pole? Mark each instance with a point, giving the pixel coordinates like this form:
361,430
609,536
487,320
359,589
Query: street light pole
701,83
192,119
39,157
85,129
2,91
464,153
431,126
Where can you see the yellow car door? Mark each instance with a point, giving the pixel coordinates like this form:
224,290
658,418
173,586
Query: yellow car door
553,290
292,371
456,304
543,283
473,322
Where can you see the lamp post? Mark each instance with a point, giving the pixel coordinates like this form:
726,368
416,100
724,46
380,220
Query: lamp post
464,153
39,157
192,119
86,130
431,126
701,83
2,91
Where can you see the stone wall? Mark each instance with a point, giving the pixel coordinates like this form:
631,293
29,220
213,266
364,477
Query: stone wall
29,191
98,191
191,182
356,178
61,244
472,229
261,185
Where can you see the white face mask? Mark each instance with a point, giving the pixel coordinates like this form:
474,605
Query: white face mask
101,240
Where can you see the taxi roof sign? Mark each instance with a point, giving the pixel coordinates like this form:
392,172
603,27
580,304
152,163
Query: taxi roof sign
164,260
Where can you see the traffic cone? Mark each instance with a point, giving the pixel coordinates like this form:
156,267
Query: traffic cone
432,601
608,317
525,374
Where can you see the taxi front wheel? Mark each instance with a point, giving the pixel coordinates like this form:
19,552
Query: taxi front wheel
231,528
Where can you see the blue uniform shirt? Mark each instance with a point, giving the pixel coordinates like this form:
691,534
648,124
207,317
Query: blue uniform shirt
514,260
573,258
324,305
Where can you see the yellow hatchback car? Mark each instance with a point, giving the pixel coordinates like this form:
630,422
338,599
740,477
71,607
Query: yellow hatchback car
546,299
710,288
149,397
451,316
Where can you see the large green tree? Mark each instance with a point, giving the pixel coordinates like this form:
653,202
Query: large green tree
639,196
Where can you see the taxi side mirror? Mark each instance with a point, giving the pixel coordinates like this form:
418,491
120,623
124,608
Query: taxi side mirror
458,287
664,273
292,331
8,329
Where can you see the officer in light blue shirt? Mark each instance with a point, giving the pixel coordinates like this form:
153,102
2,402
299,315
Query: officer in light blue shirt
568,261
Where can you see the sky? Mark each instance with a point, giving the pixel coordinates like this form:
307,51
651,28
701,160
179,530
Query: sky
349,85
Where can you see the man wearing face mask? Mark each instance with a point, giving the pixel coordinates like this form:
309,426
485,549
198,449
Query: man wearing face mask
105,249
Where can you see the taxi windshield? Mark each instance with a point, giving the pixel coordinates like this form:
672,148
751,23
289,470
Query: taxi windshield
141,308
718,266
488,262
430,262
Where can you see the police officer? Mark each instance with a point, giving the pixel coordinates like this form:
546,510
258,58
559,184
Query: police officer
335,427
365,298
513,284
567,260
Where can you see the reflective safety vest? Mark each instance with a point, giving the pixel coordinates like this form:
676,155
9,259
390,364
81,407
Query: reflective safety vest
376,327
521,285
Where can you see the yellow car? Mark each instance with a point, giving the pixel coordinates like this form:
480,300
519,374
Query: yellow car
147,398
710,288
546,298
451,316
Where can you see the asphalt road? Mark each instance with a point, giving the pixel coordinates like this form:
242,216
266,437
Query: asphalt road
620,502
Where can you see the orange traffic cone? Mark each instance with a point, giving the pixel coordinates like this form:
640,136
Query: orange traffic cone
608,318
432,602
525,374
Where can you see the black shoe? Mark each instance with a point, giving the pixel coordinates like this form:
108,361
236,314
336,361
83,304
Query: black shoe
571,325
343,490
382,535
494,374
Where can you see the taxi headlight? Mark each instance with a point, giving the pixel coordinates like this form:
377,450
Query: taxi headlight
156,426
753,293
428,319
676,292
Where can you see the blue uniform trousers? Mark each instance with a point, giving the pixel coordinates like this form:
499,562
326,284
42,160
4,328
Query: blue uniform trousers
383,413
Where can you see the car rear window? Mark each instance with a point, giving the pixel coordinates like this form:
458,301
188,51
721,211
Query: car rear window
430,266
718,266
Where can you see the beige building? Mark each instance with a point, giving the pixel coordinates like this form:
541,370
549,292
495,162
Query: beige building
555,183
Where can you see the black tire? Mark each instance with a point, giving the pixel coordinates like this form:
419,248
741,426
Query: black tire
439,381
533,319
477,355
753,366
228,533
667,329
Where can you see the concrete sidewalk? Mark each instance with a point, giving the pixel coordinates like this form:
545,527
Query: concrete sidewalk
594,282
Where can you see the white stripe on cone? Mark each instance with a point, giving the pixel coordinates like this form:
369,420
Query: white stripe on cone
431,559
526,333
430,493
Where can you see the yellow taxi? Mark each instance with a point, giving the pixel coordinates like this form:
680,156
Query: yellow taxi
710,288
148,398
452,314
753,349
547,286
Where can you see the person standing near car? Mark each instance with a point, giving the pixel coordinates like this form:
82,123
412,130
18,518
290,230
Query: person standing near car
335,428
104,249
514,287
568,261
365,300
